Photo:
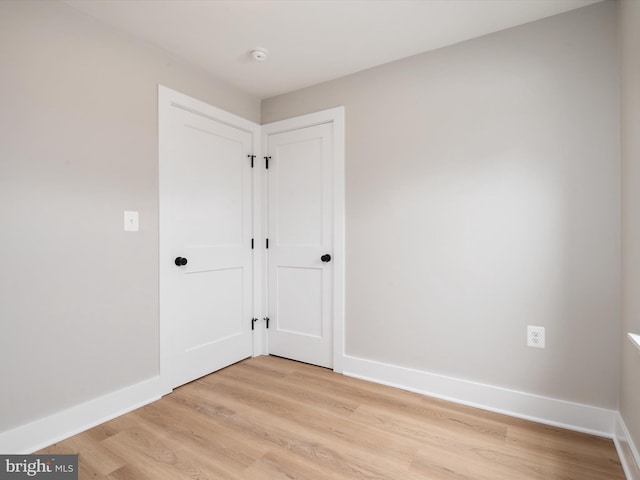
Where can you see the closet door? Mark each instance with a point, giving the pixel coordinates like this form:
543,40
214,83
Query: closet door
206,270
301,247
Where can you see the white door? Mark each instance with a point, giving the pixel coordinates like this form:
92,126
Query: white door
300,256
206,271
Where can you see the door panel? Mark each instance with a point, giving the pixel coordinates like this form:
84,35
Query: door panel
211,172
299,188
304,316
300,223
207,323
206,215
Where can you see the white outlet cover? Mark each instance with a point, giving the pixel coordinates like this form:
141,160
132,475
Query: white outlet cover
535,336
131,222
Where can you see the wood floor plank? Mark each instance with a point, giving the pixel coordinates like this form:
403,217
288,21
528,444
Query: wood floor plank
285,465
281,424
421,430
550,444
202,433
129,472
108,429
269,418
162,456
253,374
92,456
314,423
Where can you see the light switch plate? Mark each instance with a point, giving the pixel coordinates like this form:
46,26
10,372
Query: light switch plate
131,221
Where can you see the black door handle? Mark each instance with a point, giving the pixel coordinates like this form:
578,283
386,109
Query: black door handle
325,258
180,261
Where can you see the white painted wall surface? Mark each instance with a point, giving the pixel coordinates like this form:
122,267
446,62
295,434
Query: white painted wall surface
629,24
482,196
78,146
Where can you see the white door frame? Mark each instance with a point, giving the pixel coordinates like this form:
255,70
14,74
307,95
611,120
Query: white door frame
335,117
167,100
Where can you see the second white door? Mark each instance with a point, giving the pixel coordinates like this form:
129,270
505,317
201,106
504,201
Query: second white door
300,252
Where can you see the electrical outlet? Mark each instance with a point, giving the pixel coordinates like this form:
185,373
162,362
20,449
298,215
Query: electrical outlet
535,336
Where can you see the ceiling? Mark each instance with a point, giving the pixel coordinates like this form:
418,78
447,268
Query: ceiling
310,41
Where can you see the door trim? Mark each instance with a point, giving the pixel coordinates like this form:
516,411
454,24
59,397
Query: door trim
168,100
335,117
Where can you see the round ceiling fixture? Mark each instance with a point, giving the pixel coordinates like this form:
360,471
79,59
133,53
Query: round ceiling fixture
259,54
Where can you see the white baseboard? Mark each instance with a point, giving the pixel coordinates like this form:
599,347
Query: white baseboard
46,431
627,451
550,411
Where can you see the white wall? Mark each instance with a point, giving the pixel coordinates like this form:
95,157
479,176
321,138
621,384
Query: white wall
483,195
78,146
629,22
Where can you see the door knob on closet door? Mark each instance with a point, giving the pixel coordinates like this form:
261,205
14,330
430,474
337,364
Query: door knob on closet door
180,261
325,258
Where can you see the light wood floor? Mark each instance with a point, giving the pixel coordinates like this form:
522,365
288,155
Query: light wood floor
270,418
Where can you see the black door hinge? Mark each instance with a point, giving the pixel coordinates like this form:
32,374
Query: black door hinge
251,157
252,244
267,243
253,323
266,162
266,319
